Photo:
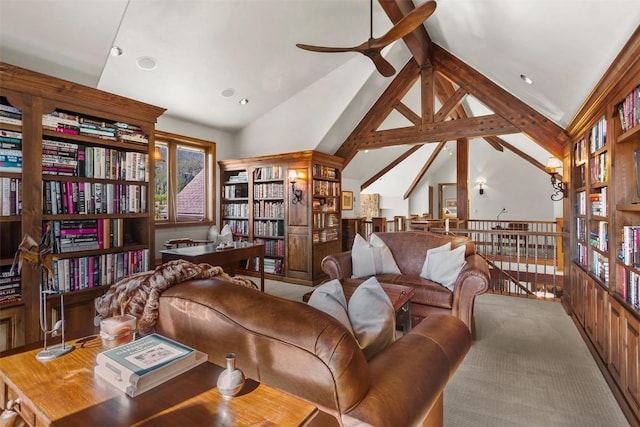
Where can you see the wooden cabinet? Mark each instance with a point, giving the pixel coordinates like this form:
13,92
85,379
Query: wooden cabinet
89,182
605,207
291,203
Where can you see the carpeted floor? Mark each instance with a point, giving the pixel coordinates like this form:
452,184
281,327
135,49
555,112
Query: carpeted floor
528,367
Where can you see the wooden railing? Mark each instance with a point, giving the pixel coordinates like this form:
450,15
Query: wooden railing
525,257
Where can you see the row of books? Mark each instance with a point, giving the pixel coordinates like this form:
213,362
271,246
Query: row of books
71,197
71,159
327,235
10,196
582,254
11,160
240,176
598,135
72,235
273,228
581,202
326,188
321,220
271,190
324,205
630,247
238,226
73,274
271,265
268,172
631,287
580,152
235,192
600,267
268,209
272,247
599,168
74,124
240,210
10,285
581,229
325,171
599,237
599,202
10,114
628,110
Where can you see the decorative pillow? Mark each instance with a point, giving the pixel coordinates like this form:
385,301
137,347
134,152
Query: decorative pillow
213,234
226,235
443,267
371,258
369,315
329,297
443,248
372,317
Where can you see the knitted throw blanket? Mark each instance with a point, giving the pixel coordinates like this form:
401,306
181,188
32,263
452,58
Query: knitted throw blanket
139,293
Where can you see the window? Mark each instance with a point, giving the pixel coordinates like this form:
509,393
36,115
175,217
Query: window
183,179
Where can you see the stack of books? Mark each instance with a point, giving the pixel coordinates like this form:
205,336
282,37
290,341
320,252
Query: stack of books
10,151
143,364
10,285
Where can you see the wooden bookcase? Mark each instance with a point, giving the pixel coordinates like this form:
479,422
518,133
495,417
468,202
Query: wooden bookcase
118,134
605,210
258,203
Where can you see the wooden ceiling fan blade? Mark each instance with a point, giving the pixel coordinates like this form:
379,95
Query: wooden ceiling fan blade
326,49
406,25
382,65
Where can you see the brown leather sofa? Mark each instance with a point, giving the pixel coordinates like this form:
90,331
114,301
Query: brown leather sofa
409,249
304,351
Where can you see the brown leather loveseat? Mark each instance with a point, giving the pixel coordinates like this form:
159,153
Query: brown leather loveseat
409,249
301,350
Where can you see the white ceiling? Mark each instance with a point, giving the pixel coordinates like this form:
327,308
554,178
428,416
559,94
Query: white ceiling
205,46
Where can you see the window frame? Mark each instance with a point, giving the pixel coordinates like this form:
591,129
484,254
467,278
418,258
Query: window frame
172,141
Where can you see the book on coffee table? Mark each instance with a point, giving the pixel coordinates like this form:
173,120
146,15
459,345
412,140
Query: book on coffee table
146,363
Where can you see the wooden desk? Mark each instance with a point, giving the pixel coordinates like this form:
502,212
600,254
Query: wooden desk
210,255
65,392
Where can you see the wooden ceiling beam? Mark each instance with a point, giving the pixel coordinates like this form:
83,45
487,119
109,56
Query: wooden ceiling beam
542,130
450,105
380,110
450,130
408,113
418,41
424,170
390,166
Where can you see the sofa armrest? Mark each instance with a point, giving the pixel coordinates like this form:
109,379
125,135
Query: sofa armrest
406,390
337,266
473,280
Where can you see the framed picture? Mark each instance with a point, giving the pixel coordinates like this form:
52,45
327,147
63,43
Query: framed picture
347,200
450,207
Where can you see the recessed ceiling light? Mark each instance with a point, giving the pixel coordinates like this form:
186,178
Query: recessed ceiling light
228,92
115,51
146,63
526,79
243,101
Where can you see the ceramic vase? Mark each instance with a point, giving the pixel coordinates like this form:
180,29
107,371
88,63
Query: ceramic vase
231,380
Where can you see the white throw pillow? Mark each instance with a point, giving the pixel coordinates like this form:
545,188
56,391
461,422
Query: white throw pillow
372,317
368,316
226,235
444,267
443,248
329,297
371,258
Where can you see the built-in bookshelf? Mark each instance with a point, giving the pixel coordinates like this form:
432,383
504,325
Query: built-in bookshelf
297,231
605,275
86,196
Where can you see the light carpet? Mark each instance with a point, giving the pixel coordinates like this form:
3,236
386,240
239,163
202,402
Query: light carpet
528,367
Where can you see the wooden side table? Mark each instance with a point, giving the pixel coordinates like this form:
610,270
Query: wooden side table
65,392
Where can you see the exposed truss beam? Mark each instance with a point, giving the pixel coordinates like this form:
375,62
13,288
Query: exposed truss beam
472,127
418,41
390,166
408,113
424,169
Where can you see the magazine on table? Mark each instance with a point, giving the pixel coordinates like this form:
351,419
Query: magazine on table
145,363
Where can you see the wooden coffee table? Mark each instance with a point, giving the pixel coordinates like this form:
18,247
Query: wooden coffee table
399,295
65,392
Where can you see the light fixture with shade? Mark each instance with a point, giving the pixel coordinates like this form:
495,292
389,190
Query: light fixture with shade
157,155
559,187
481,182
295,191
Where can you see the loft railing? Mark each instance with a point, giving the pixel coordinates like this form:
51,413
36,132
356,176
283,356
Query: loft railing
525,257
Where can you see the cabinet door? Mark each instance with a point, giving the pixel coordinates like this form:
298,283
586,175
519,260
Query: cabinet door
299,253
616,340
578,289
11,327
631,377
600,326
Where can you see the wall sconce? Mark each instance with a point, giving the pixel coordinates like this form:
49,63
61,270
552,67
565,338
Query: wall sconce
157,155
560,190
295,191
481,182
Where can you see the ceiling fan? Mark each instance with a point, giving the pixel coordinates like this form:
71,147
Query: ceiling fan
373,46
